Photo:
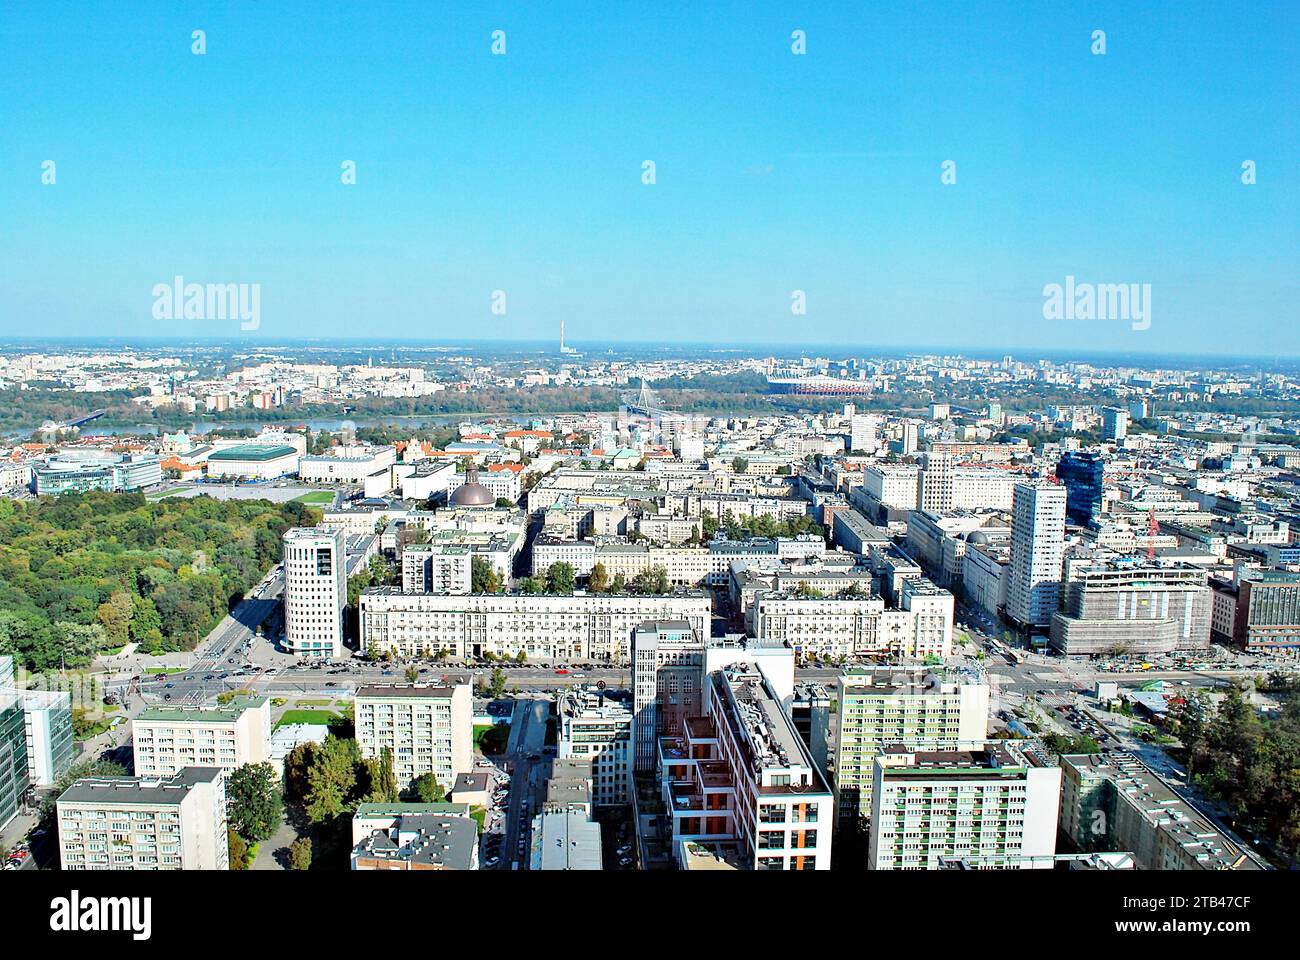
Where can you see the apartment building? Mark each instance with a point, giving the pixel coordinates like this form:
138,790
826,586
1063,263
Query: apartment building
667,683
145,823
429,729
922,709
1113,803
844,626
165,740
596,626
599,729
741,775
437,568
315,591
989,806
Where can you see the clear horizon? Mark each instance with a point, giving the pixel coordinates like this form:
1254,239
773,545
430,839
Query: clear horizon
775,173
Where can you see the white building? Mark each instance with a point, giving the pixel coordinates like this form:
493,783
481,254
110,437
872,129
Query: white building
350,463
167,739
315,591
834,627
145,823
989,806
546,626
1037,550
428,729
597,728
437,568
883,706
741,774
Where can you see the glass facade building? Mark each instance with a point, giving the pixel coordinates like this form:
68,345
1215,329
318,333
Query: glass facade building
1082,475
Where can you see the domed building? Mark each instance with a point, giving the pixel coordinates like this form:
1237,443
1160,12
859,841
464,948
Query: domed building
472,493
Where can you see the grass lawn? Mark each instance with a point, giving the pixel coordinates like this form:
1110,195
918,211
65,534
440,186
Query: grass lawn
312,703
165,669
308,716
479,815
316,496
491,738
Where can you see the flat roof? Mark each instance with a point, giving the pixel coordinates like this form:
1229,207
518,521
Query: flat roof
230,711
253,451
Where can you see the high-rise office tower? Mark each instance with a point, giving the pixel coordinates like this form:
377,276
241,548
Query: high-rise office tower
1037,549
1083,475
315,591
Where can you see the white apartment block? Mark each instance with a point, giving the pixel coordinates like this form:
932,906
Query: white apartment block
593,727
579,554
989,806
893,485
582,626
1037,551
315,591
437,568
165,740
917,708
145,823
742,775
833,627
428,729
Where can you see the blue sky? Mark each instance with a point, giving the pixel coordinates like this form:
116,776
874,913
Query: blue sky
775,172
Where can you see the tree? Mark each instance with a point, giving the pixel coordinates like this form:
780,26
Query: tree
532,586
483,576
300,854
412,674
238,850
332,779
521,657
255,805
739,465
297,766
497,685
560,578
427,789
619,584
598,579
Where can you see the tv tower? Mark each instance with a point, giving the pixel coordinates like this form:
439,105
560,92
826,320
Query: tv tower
561,335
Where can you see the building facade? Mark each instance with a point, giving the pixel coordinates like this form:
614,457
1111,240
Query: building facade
145,823
315,591
428,729
547,626
165,740
1037,550
989,805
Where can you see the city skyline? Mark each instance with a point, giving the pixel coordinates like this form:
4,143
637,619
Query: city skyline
778,175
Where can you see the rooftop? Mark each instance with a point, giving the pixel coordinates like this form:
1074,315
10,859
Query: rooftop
259,452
